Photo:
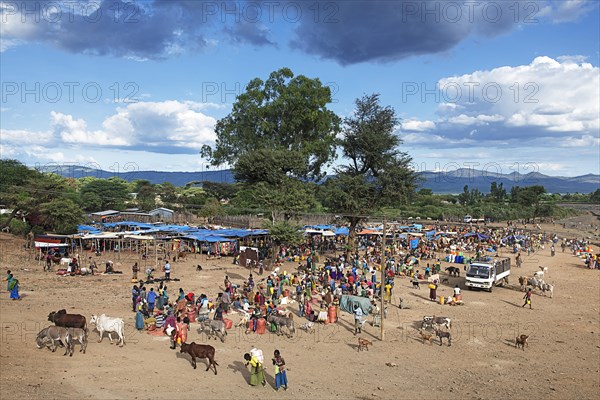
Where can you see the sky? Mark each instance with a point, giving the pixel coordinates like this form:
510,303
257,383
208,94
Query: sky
500,86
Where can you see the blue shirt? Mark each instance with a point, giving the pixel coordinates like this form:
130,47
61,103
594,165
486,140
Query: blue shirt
151,296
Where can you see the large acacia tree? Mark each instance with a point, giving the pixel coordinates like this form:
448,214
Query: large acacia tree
279,132
376,173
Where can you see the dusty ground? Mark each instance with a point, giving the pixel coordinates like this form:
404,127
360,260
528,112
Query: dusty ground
562,361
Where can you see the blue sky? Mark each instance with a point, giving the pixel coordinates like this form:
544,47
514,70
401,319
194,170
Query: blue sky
497,85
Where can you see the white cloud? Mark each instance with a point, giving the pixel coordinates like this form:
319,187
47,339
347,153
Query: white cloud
75,131
482,119
587,142
159,127
547,98
413,125
571,10
24,137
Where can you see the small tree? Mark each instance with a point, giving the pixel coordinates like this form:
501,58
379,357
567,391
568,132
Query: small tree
284,232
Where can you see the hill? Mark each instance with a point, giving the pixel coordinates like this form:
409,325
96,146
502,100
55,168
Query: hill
440,182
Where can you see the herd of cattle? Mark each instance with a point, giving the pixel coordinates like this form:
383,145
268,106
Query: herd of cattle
71,329
537,282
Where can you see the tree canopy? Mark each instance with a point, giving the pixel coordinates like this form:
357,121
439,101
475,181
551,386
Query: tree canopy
278,127
376,173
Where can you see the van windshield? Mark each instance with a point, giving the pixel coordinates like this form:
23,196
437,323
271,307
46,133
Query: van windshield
478,272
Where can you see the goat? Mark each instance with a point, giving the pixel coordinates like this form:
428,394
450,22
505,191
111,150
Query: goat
364,344
521,341
426,336
433,322
309,327
442,334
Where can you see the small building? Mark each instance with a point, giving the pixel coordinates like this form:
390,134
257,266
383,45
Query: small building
162,214
136,216
105,216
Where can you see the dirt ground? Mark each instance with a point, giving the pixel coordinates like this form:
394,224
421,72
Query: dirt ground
562,360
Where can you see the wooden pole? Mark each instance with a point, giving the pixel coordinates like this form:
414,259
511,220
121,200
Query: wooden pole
382,286
155,253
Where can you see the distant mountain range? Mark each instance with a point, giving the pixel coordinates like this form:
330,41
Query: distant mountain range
454,181
439,182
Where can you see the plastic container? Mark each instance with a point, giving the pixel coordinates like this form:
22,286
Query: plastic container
442,300
192,316
228,323
332,314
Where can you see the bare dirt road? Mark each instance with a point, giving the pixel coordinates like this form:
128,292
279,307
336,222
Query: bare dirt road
562,360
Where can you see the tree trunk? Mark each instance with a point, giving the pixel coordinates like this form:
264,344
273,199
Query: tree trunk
352,237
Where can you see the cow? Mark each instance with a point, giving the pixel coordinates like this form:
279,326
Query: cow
213,328
525,281
546,287
454,271
56,335
109,325
536,283
200,351
431,321
179,256
280,322
61,318
77,335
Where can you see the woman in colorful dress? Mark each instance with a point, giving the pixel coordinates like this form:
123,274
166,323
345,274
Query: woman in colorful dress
280,374
257,373
13,286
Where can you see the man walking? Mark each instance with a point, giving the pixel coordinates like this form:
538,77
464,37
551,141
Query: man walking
527,298
167,270
135,269
357,319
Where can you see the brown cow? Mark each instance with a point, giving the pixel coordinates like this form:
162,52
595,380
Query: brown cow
61,318
200,351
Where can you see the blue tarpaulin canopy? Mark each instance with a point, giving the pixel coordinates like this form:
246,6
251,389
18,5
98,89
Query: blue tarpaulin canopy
87,229
343,231
208,238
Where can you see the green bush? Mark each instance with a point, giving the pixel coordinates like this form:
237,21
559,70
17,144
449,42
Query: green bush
18,227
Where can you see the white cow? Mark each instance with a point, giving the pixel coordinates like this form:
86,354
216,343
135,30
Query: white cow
109,325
